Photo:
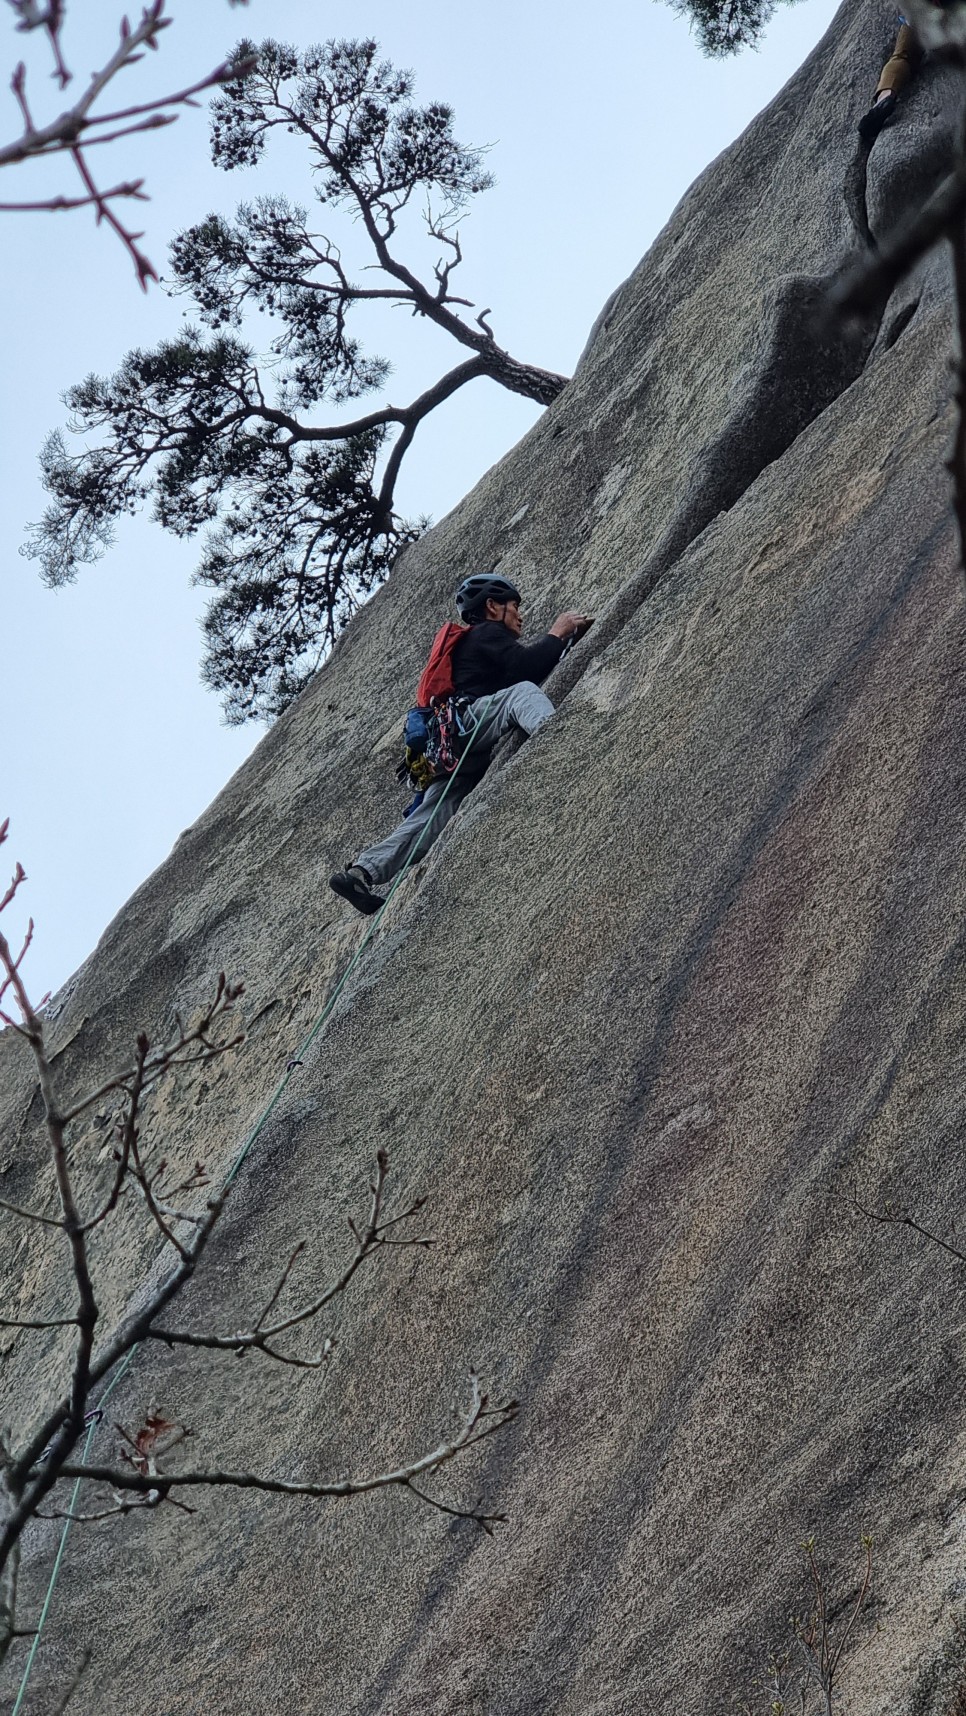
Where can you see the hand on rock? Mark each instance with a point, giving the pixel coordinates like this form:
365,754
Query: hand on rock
570,625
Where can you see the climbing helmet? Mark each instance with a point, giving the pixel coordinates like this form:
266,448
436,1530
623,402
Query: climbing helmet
475,591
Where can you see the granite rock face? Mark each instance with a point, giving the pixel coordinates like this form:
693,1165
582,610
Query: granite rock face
684,978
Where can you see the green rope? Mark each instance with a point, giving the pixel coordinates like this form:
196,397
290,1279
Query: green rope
232,1174
323,1017
63,1536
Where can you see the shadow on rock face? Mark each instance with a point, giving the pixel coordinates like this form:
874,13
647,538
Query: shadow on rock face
908,161
801,361
803,358
887,180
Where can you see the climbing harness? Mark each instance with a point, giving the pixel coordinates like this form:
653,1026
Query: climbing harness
435,739
95,1416
436,730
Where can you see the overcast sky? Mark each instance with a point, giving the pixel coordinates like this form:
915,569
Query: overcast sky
598,119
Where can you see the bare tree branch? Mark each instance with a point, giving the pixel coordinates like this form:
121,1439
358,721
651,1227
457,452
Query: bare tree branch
50,18
280,1285
51,1323
120,1507
149,1067
821,1652
141,1479
486,1521
901,1218
54,205
24,1481
480,1420
369,1239
80,128
30,1215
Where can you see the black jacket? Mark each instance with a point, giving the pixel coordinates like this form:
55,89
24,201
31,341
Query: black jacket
490,659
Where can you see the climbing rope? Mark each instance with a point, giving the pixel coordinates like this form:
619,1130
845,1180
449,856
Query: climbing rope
232,1174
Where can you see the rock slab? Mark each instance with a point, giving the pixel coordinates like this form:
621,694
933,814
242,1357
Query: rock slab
681,985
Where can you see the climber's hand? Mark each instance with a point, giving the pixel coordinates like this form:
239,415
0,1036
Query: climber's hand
570,625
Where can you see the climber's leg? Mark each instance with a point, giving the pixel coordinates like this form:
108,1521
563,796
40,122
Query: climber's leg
524,706
896,74
381,862
900,69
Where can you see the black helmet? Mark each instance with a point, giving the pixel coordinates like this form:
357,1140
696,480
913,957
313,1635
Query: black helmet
475,592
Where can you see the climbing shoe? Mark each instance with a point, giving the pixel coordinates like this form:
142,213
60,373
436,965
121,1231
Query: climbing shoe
872,122
354,885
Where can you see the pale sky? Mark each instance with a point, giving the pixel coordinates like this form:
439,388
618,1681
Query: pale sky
598,118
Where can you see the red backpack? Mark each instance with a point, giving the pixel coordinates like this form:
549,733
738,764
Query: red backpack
435,731
437,679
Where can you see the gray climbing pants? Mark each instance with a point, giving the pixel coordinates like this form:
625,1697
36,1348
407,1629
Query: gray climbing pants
524,706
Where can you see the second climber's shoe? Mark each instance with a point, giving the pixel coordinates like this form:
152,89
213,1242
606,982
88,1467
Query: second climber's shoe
872,122
355,885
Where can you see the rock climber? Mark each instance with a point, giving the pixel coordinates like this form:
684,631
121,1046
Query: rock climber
501,678
899,70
